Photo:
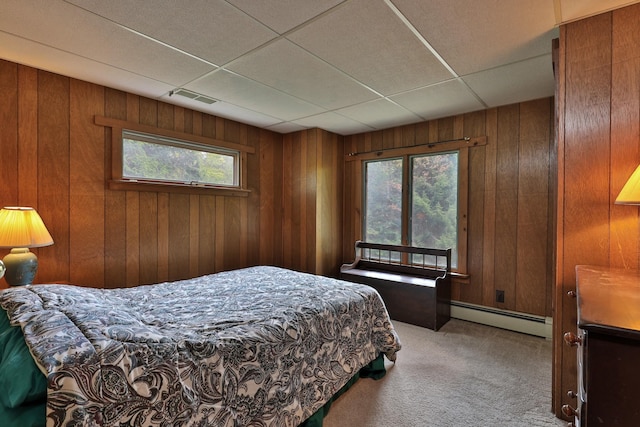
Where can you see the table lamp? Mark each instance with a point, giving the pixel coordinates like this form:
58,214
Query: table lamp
630,193
22,228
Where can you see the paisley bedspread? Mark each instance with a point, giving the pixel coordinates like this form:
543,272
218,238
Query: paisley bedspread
261,346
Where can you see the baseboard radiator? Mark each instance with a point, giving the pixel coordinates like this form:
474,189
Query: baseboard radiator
512,320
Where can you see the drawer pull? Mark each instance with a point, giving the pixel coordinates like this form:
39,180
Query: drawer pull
571,294
569,411
571,394
572,339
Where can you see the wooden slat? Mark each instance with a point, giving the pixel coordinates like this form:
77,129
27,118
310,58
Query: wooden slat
269,210
220,235
148,238
489,215
474,123
533,196
207,217
86,185
232,233
9,135
507,203
28,134
53,176
179,225
9,125
115,202
252,225
194,235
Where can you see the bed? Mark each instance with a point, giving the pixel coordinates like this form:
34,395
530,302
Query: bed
261,346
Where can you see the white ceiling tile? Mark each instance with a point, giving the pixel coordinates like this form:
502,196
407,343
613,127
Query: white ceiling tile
286,127
335,123
379,114
369,42
46,58
100,41
285,66
522,81
473,35
251,95
303,58
439,100
210,29
223,109
283,15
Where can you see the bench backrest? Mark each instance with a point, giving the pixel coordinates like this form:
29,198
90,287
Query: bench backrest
426,262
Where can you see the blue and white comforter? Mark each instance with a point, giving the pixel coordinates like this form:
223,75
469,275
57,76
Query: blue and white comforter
262,346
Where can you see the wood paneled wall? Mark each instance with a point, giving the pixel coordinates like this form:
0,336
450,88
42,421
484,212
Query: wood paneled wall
54,158
509,240
312,201
598,148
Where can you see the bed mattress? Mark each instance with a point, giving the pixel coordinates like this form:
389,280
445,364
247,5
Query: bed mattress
260,346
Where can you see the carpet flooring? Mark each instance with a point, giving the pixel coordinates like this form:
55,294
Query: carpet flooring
466,374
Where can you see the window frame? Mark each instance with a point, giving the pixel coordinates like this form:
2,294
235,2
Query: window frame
128,134
462,146
119,182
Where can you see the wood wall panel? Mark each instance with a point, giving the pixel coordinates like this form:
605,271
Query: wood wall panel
311,168
533,196
54,174
9,134
86,184
149,234
489,226
474,125
109,238
625,133
508,242
115,218
507,203
598,146
28,131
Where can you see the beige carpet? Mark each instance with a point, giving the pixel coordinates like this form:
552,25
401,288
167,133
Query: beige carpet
466,374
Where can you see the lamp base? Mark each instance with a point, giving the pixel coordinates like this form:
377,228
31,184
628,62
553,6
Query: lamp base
21,267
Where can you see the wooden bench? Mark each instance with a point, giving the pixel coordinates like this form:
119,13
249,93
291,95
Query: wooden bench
414,283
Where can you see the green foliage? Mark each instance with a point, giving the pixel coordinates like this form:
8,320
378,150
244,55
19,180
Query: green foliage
170,163
434,201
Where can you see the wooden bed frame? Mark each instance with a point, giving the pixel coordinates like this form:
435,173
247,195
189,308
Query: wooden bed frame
414,283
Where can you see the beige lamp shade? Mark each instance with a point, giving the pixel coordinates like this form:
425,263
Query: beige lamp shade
630,193
22,227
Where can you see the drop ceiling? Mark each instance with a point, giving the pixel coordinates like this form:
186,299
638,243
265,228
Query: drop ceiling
345,66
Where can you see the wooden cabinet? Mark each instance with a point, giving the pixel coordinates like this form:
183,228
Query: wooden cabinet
608,343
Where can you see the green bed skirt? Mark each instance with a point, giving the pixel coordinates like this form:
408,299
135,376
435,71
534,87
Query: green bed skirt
23,387
374,370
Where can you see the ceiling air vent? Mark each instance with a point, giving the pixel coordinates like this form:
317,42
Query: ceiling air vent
192,95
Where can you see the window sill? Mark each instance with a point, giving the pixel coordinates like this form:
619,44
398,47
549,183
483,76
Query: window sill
124,185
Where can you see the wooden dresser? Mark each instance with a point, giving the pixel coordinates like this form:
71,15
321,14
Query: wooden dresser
608,343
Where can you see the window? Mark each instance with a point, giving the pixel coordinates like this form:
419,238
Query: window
148,158
383,191
154,158
428,189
